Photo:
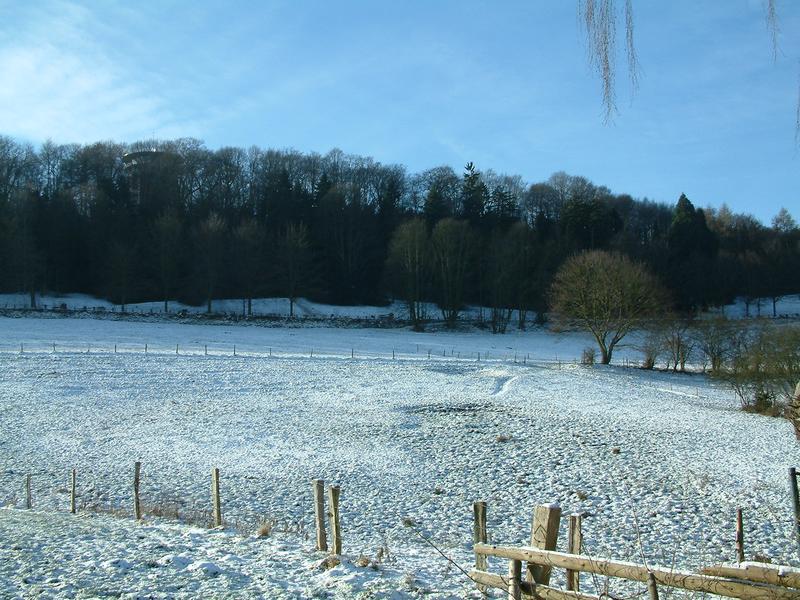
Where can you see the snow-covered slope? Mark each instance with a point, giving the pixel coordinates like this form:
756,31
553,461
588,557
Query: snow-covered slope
412,442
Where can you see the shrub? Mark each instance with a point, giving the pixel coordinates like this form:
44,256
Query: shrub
651,348
678,343
715,339
764,370
588,356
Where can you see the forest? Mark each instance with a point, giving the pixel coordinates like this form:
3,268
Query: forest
164,220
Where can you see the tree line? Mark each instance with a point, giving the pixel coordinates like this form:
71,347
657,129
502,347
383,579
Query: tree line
162,220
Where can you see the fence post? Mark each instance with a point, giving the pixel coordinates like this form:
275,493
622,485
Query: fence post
544,533
515,579
574,544
652,588
795,502
319,513
28,495
739,536
336,532
479,536
72,493
215,502
137,507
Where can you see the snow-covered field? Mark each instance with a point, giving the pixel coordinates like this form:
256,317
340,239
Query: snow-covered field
273,307
787,306
412,441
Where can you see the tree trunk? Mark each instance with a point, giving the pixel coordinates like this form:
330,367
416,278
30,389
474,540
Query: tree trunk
33,299
291,308
166,305
208,306
605,354
249,307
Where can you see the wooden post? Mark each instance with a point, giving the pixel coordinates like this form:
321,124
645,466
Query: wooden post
652,588
515,579
234,349
115,348
352,353
392,353
145,348
479,536
574,543
176,348
137,507
205,350
336,532
319,514
28,495
215,502
739,536
429,354
72,493
544,533
795,501
479,530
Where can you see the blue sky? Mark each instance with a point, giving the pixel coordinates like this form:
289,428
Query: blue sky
425,83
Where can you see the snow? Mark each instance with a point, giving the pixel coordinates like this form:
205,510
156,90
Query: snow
786,306
412,441
272,307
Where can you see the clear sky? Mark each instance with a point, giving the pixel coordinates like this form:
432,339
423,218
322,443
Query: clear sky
424,83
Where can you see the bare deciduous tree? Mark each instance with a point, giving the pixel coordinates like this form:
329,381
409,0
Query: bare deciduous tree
409,257
168,239
606,293
294,261
452,243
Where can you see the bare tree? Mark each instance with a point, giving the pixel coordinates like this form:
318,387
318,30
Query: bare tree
409,258
121,262
168,242
606,293
248,239
294,261
678,341
210,239
452,244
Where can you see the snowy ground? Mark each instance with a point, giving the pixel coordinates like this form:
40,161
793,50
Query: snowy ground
412,442
787,306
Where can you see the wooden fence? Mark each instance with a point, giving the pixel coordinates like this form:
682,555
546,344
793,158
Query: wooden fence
746,580
750,581
318,490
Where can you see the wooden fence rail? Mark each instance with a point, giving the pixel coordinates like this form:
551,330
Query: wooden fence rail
748,581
